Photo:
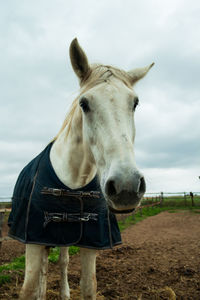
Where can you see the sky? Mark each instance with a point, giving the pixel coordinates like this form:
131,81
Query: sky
37,82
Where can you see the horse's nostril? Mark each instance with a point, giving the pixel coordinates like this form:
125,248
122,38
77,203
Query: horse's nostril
116,187
142,187
110,188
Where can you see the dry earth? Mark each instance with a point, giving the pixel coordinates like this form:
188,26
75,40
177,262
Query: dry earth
160,258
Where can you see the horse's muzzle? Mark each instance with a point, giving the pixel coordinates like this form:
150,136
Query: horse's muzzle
124,193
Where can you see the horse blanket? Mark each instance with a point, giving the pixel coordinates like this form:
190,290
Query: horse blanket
45,211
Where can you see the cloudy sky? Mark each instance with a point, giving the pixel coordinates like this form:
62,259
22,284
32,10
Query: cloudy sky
38,84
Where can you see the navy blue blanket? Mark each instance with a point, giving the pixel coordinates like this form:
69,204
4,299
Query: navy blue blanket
30,220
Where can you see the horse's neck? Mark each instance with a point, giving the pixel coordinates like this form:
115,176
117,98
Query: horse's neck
71,159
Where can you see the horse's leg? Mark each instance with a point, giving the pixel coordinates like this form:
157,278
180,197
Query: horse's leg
88,274
64,261
43,274
34,283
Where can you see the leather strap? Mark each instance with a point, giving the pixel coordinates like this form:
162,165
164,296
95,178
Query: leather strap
68,193
68,217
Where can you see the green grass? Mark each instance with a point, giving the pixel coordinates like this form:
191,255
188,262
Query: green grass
175,200
54,253
139,216
73,250
17,264
4,279
194,211
180,201
5,204
152,211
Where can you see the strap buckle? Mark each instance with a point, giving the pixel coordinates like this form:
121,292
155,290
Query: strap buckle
89,216
68,217
57,192
57,219
85,219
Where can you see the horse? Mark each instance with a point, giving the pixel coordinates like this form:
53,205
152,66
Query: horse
95,142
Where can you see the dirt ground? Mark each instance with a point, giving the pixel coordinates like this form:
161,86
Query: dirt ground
159,259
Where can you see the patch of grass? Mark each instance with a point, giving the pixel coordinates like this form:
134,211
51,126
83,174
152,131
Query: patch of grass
73,250
138,216
4,279
17,264
194,211
181,201
55,252
6,204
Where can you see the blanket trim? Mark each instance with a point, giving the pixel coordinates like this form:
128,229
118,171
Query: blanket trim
29,204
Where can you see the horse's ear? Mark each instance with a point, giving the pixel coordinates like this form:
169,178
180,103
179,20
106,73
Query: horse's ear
139,73
79,60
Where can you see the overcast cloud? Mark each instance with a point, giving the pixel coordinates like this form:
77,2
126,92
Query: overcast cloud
38,84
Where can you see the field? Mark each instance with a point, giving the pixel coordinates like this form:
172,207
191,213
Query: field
159,258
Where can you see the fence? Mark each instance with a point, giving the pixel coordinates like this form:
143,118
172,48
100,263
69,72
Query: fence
2,214
5,204
180,198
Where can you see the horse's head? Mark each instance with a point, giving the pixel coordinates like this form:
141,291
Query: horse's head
108,102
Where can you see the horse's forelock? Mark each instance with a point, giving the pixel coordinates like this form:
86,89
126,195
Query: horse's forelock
99,74
103,73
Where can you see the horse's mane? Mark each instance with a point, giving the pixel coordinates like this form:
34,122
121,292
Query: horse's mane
98,75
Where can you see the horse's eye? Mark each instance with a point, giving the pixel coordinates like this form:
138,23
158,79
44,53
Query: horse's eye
136,102
84,105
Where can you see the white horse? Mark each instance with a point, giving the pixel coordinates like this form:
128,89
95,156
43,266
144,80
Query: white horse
97,137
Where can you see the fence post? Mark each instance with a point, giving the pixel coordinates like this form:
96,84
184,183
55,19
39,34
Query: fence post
192,198
185,199
161,199
1,225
